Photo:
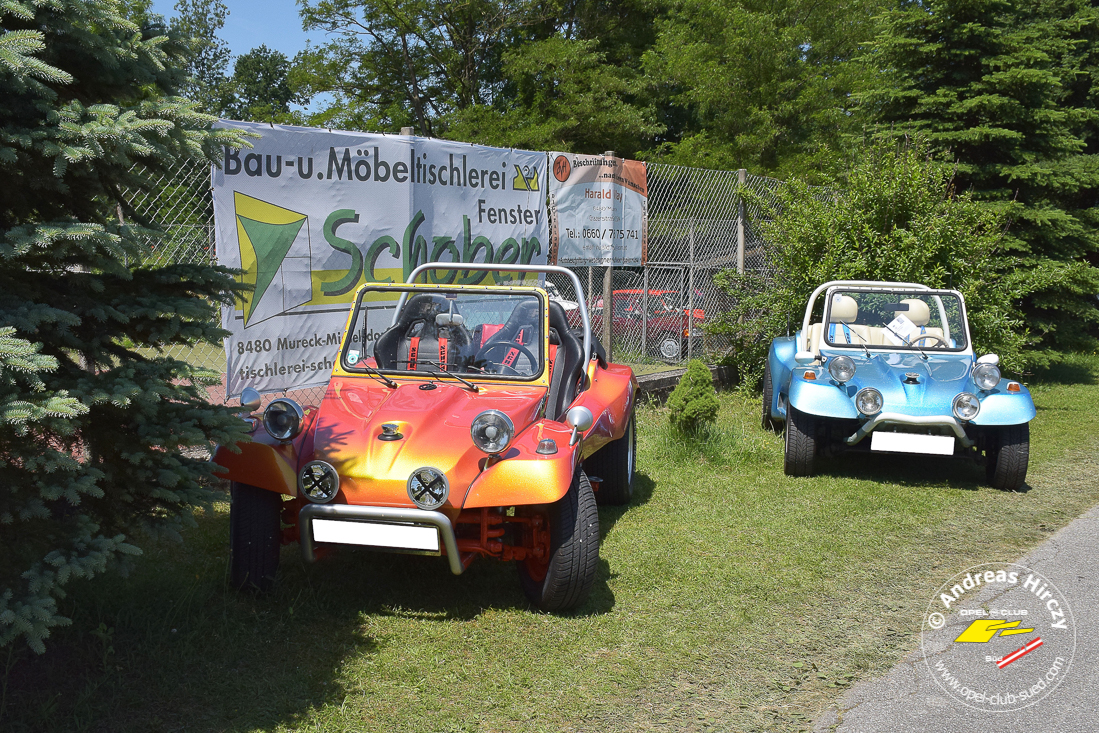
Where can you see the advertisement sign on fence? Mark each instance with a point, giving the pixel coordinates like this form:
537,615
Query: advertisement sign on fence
598,210
309,215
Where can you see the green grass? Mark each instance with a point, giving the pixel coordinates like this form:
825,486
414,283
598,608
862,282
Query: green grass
729,597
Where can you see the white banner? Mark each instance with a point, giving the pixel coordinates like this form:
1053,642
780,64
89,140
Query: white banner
310,215
598,210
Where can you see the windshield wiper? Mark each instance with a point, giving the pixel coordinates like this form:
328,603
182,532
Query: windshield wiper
378,375
906,342
863,345
442,369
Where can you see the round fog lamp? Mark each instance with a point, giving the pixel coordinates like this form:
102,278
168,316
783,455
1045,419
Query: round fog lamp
282,419
966,406
319,482
841,368
868,401
986,376
492,431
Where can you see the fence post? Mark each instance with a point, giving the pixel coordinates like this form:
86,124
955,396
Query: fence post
645,311
742,178
691,297
608,311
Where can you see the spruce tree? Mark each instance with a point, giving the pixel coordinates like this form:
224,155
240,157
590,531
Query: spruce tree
693,403
99,430
1006,89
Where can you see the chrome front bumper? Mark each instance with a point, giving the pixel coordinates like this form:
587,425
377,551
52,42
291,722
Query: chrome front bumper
379,515
896,418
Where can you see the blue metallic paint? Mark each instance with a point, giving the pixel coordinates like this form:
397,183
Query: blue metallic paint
940,378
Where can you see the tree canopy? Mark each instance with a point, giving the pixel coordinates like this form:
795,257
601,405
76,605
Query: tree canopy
1007,91
98,426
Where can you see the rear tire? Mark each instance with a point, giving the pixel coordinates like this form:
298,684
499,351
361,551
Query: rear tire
768,422
574,551
614,464
1007,456
801,443
254,530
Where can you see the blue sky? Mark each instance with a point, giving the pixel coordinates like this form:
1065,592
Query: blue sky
254,22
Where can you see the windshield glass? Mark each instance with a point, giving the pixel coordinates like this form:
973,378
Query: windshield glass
895,320
471,333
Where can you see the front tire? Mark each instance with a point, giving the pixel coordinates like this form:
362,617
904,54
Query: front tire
768,422
565,581
801,443
254,529
1007,456
614,465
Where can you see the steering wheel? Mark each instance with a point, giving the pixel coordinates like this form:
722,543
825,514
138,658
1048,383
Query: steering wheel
938,338
484,350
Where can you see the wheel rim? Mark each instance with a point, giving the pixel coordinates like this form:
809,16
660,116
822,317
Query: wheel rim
669,349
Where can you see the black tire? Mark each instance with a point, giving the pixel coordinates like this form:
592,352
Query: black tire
801,443
254,533
614,465
574,552
768,423
1007,455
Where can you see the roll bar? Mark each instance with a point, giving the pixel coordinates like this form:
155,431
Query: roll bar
803,344
478,267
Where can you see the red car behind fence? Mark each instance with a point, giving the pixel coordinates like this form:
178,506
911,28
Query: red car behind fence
665,326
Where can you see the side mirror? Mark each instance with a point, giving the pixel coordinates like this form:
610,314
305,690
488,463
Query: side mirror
579,419
249,400
804,357
992,359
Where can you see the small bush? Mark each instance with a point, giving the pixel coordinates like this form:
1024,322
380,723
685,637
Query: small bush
693,403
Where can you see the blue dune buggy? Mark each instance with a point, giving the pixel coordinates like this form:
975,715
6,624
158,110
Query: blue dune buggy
890,367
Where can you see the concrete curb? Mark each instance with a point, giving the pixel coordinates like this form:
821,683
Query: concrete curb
659,385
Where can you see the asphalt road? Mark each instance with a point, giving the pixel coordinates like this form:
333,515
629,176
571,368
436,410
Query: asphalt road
909,698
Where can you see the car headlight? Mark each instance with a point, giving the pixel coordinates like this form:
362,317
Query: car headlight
282,419
841,368
319,482
868,401
987,376
966,406
492,431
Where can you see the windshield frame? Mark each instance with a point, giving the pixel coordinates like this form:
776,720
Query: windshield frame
902,292
540,378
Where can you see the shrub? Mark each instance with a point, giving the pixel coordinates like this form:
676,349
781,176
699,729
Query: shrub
693,403
898,218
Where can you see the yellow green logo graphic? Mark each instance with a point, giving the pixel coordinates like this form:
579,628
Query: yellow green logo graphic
525,180
270,249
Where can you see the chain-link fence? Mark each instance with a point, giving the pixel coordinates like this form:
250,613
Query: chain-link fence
699,225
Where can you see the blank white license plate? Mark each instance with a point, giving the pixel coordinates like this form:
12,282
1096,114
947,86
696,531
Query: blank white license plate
400,536
942,445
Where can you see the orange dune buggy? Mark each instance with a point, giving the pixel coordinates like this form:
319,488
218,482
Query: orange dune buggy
460,420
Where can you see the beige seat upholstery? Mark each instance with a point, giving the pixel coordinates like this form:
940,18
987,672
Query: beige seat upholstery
920,313
844,311
917,312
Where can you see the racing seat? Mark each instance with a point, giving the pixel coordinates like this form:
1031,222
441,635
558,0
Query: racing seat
566,364
416,339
